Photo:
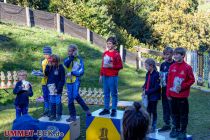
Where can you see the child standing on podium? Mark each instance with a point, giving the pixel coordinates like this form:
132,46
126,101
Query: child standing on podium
47,52
75,69
164,67
111,64
55,82
152,90
180,79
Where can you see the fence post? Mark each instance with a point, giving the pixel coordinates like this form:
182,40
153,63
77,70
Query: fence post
188,57
138,59
58,22
121,52
28,17
89,36
5,1
200,80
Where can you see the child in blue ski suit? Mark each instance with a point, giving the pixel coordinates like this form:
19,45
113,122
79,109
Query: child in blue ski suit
75,68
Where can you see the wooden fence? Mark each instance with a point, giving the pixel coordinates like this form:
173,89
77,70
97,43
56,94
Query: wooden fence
25,16
29,17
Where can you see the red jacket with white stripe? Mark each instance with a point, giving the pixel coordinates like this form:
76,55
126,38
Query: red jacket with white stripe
180,73
111,58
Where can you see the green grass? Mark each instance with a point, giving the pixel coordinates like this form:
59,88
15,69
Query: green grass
21,48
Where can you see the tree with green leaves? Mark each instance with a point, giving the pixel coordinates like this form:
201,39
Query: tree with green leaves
149,23
36,4
173,24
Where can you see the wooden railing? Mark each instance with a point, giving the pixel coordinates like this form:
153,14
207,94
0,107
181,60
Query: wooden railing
140,60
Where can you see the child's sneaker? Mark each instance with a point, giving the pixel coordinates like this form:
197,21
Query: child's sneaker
182,136
51,118
104,112
58,117
45,113
152,130
165,128
174,133
113,113
71,119
88,113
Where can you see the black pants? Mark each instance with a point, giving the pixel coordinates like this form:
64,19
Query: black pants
180,111
166,108
152,110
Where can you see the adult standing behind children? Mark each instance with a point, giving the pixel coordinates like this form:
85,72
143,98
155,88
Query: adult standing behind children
75,69
55,82
23,90
47,52
152,90
111,64
164,67
180,79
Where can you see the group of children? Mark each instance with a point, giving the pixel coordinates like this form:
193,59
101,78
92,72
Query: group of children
173,84
57,74
52,85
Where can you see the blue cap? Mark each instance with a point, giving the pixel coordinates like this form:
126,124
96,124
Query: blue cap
47,50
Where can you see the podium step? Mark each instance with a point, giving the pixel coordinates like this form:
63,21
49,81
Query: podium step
51,130
163,136
104,127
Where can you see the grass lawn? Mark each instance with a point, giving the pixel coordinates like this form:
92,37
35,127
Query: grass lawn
21,48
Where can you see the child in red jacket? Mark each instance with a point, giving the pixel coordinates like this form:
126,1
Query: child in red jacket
180,79
111,64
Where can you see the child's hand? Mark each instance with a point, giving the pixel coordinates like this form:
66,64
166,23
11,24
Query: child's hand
23,87
75,53
71,57
100,79
143,92
68,74
169,98
108,65
178,88
27,86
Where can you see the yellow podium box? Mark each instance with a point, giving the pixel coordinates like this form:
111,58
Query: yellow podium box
59,130
104,127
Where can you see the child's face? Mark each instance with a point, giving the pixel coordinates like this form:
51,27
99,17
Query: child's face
167,56
22,76
148,67
54,62
178,57
110,45
70,52
46,56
